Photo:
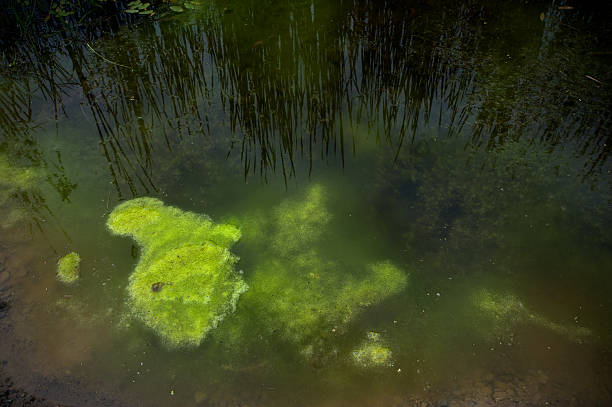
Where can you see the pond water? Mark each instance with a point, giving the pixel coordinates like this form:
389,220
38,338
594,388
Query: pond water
427,179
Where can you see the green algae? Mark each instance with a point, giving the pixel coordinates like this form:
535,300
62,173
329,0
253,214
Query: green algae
299,292
300,223
372,352
311,297
184,283
68,268
13,178
505,311
15,181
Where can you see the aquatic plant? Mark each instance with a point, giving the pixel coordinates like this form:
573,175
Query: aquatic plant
505,311
13,178
299,223
14,181
68,268
184,283
372,352
311,297
299,293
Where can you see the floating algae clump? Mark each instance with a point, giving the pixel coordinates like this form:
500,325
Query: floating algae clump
184,283
372,352
507,311
68,268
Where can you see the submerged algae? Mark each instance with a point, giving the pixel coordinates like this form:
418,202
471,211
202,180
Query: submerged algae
372,352
68,268
312,297
303,295
184,283
15,180
507,311
300,223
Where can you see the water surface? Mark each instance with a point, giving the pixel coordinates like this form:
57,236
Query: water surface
467,144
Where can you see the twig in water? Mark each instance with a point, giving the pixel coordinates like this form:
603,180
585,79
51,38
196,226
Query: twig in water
106,59
593,79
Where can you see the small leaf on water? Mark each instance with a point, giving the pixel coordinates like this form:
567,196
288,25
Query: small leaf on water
542,16
131,11
189,5
177,9
146,12
146,5
131,4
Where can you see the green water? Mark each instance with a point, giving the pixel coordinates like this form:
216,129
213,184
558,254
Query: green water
466,144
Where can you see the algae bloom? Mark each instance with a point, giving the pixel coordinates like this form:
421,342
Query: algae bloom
372,352
68,268
184,283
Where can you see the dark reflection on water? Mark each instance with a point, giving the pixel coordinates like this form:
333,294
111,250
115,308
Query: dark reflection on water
466,141
293,81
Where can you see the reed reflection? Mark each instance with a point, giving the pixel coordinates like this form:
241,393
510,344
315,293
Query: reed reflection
292,81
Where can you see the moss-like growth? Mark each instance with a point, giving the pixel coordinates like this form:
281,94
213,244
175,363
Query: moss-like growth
14,181
68,268
13,178
309,297
299,223
372,352
302,295
184,283
507,311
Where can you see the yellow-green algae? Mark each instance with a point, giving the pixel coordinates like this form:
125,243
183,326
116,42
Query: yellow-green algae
303,296
184,283
300,222
311,296
15,180
372,352
507,311
68,268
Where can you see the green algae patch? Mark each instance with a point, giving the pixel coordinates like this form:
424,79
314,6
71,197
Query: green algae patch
300,292
14,178
15,182
381,280
68,268
300,223
505,311
184,283
310,296
372,352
